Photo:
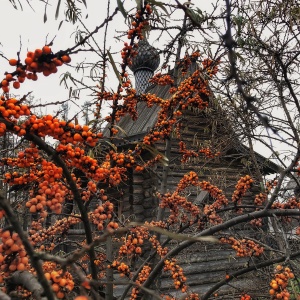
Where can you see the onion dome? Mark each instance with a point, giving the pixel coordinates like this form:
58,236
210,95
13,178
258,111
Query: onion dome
144,64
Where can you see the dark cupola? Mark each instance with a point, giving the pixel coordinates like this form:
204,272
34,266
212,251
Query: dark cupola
144,64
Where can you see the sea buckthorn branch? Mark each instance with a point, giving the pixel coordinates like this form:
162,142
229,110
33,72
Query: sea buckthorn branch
178,205
241,188
192,91
128,51
133,242
209,153
210,210
40,61
256,266
177,274
279,283
162,79
35,261
186,154
217,228
104,214
61,280
243,247
59,227
77,197
261,199
43,60
142,276
77,254
26,280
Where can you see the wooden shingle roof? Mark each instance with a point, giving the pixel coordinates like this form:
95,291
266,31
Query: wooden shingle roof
134,131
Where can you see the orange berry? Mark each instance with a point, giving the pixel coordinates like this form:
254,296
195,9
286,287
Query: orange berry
66,59
4,83
8,77
62,282
16,84
9,242
32,209
77,137
28,61
60,295
46,50
13,62
57,62
38,52
55,287
20,267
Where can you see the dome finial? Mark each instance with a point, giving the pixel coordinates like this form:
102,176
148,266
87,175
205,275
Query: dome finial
144,64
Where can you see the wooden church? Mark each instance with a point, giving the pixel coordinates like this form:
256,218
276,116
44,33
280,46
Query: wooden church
206,264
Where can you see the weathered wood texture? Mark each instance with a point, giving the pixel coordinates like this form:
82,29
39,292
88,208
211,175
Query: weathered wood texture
204,265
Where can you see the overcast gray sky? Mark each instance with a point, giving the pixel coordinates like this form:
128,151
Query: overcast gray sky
26,30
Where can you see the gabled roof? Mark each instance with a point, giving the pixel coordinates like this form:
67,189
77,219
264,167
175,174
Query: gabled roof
134,131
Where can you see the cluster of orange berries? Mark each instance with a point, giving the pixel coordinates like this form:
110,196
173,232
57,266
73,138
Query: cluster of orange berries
245,297
65,132
138,23
12,254
25,159
39,61
184,63
188,179
149,163
61,281
209,153
291,203
127,52
51,194
61,226
186,154
167,297
215,192
12,109
157,134
210,66
104,214
133,242
241,188
178,206
177,274
161,251
129,103
136,29
191,92
260,199
192,296
278,285
211,214
142,277
256,222
123,159
162,79
243,247
122,268
75,157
